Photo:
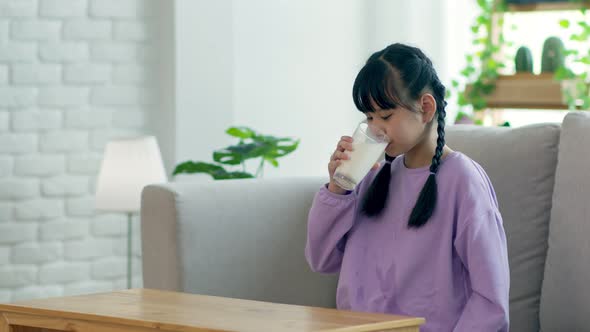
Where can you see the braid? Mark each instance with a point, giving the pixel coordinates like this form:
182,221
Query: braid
440,141
426,203
376,196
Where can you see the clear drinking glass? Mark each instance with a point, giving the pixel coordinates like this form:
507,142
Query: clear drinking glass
367,148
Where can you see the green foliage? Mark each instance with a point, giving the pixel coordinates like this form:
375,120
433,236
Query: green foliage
251,145
482,66
577,95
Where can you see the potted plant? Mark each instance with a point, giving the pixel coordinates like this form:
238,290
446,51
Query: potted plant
251,146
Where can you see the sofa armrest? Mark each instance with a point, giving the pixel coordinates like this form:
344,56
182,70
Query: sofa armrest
159,237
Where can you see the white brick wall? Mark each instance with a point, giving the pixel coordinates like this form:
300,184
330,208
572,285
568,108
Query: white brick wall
35,29
62,8
87,30
18,8
36,74
4,121
63,52
39,165
73,74
83,73
36,253
3,72
35,120
13,97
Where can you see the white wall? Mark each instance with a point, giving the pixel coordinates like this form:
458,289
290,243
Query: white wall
420,23
295,62
204,76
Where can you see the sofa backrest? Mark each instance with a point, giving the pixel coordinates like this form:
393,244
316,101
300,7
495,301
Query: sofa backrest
565,300
521,165
242,238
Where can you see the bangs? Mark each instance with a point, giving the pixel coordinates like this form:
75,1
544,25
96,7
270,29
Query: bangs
374,86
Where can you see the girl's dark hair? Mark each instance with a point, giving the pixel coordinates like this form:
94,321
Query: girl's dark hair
398,76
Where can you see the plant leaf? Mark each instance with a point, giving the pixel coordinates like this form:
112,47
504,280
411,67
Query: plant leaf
234,175
196,167
564,23
272,161
236,154
216,171
282,150
241,132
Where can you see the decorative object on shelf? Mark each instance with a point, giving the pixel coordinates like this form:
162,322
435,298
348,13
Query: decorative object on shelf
553,55
128,165
523,61
251,145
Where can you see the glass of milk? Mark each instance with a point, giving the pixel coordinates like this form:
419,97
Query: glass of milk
367,149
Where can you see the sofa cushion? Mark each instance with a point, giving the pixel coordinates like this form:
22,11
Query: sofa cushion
565,301
521,165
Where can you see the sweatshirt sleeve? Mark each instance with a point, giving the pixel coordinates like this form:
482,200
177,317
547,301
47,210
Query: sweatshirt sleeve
330,218
481,246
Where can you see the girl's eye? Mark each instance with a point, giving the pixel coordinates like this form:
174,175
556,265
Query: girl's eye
386,117
369,119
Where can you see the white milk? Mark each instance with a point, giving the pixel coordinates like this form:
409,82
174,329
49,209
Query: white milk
362,157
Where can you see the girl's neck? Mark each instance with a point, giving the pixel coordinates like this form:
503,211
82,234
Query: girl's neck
421,155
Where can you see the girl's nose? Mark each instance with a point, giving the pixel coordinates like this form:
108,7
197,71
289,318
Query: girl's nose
377,128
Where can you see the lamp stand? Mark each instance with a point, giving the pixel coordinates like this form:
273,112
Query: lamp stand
129,249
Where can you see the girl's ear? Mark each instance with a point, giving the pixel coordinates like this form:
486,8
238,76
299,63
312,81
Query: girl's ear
428,104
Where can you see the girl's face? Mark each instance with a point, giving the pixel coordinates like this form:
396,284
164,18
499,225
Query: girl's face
405,128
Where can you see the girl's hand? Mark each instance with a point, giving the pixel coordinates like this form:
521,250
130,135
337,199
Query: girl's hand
345,144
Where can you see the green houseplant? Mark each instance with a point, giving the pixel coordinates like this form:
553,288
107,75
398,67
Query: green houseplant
250,146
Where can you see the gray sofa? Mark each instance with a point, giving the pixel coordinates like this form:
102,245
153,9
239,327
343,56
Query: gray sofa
246,238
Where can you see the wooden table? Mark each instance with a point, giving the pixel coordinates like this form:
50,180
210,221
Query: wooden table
143,310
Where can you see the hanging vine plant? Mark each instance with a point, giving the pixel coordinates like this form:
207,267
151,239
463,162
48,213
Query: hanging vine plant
482,65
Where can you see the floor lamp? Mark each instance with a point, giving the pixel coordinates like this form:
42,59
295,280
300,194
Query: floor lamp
128,165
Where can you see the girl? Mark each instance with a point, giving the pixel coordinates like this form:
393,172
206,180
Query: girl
422,236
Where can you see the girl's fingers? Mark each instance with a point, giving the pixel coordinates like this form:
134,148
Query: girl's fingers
334,164
344,145
340,155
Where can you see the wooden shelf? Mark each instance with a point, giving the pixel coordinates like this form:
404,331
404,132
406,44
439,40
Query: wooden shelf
528,91
548,6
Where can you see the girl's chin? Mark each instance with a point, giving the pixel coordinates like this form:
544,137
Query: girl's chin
391,151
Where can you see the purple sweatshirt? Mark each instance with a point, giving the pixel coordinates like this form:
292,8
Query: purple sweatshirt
453,271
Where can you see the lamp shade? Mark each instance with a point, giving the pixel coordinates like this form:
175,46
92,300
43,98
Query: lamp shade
128,166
